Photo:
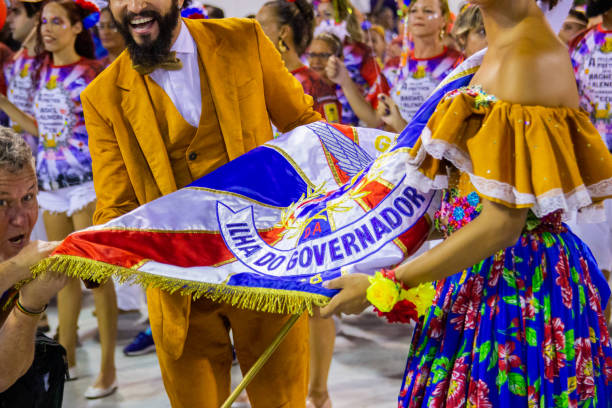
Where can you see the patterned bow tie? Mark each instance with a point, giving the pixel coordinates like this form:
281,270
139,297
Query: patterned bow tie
171,63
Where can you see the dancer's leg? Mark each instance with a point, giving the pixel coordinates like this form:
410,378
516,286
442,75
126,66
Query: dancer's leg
106,311
58,226
322,339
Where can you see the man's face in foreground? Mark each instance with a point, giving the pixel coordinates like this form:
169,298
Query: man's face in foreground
18,210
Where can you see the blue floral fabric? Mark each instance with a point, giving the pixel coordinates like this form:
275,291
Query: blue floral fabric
523,328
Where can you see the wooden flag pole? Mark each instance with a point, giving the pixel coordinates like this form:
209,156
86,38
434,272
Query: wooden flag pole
261,361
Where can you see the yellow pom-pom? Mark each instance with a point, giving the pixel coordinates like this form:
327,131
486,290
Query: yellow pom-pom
383,293
422,296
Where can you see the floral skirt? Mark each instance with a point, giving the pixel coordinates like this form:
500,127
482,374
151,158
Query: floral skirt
524,328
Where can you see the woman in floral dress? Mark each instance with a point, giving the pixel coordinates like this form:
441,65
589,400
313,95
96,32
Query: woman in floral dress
521,324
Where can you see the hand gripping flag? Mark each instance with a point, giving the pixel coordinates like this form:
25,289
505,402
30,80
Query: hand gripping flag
267,229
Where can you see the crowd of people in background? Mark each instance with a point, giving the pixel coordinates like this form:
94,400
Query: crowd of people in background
371,68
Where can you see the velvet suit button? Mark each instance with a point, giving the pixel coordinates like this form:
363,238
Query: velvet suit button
193,156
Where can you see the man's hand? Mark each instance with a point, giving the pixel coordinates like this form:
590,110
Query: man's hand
336,71
36,294
30,255
352,296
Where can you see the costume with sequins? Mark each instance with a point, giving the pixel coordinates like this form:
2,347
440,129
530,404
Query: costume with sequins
524,327
413,83
20,90
63,158
592,61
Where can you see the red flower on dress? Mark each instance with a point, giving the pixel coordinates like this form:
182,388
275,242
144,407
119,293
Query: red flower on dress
497,269
585,380
562,280
533,397
479,395
493,303
506,359
438,395
608,369
553,348
435,328
530,309
458,385
467,304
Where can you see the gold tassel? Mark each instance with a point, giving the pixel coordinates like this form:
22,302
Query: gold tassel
258,299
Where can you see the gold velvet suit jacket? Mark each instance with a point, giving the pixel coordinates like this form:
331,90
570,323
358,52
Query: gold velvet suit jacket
249,85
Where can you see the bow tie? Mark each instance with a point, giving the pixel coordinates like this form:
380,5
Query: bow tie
170,63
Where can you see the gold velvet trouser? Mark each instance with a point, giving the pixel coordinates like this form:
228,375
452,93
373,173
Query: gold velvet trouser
200,377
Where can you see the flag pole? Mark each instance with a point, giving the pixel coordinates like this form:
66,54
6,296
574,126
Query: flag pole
261,361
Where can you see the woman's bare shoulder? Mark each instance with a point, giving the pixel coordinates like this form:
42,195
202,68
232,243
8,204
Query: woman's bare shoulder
537,72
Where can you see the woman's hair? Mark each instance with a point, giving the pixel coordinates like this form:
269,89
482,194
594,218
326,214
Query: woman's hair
579,15
444,7
469,19
379,29
298,15
551,3
345,13
83,44
32,8
333,42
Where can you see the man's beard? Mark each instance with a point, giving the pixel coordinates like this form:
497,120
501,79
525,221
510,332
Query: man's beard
153,52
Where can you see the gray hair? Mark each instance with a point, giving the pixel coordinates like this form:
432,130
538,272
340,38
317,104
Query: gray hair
15,154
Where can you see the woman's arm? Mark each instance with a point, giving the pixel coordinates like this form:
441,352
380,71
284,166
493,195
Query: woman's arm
497,227
390,114
337,73
24,120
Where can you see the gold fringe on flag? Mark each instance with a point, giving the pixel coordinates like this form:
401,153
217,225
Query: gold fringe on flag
244,297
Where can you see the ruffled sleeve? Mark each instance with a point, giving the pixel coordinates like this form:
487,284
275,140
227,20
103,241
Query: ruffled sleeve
546,159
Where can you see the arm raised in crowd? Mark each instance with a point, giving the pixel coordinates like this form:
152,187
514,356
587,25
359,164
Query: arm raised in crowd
27,122
337,72
114,192
287,104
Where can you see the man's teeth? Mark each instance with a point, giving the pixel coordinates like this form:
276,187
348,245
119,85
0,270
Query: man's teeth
141,20
17,239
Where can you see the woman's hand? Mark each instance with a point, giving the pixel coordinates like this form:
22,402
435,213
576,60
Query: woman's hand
336,71
352,296
389,112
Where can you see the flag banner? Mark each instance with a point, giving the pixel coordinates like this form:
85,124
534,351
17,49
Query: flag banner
265,230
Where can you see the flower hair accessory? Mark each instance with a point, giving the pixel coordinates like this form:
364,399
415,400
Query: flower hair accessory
397,303
194,13
93,13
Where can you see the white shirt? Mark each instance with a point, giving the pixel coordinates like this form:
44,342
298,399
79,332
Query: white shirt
183,85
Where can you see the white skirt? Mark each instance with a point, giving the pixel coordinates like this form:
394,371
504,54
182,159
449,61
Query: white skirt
68,199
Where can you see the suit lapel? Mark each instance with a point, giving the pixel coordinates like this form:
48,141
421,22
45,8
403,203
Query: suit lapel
221,83
139,112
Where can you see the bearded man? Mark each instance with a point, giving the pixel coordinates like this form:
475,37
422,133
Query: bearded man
185,98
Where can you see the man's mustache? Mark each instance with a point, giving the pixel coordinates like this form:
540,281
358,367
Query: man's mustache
145,13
